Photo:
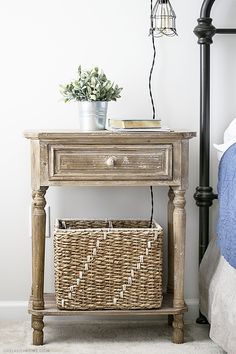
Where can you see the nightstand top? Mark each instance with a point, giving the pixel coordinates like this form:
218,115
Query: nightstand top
68,134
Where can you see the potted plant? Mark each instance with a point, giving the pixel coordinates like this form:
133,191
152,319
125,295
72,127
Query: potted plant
92,90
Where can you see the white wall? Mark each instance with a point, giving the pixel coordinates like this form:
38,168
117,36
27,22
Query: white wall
42,43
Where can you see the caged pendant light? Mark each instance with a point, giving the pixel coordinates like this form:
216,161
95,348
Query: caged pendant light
163,19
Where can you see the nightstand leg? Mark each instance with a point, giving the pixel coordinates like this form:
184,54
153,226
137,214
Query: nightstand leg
179,226
170,285
38,246
37,325
179,231
170,211
178,329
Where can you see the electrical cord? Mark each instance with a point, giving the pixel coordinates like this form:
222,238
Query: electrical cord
153,64
151,97
152,204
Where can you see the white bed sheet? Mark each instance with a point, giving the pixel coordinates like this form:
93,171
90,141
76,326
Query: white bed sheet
218,297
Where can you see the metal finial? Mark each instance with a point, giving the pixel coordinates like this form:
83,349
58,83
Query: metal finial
163,19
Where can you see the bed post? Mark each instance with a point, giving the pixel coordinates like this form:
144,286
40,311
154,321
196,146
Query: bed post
204,193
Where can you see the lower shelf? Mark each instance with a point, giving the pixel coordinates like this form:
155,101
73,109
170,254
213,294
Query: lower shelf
52,310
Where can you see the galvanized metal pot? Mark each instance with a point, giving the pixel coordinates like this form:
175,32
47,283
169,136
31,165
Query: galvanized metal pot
92,115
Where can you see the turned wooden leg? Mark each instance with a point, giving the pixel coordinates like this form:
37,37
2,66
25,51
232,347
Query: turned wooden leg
38,246
179,226
178,329
170,285
37,325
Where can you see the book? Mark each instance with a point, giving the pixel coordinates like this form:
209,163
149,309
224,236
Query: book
162,129
134,123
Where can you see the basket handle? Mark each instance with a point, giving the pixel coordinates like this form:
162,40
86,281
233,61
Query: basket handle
110,225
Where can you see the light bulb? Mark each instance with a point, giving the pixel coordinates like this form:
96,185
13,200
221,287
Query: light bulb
163,19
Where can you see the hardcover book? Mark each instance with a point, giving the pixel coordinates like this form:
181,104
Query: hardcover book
134,123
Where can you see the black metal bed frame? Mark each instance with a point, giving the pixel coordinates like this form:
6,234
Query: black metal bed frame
204,195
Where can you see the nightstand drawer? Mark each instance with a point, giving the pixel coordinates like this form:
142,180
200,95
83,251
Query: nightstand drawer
110,162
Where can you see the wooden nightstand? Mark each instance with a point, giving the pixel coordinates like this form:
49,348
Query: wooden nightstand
71,158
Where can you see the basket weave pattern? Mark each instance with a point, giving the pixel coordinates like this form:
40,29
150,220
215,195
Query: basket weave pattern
108,265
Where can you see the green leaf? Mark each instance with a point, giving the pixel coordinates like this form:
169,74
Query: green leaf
92,85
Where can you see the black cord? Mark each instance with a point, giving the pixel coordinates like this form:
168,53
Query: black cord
151,218
153,64
151,96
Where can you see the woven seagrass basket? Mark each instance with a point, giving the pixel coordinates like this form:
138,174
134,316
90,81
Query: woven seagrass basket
108,264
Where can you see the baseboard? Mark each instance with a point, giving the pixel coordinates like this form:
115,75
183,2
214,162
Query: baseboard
13,310
193,310
17,310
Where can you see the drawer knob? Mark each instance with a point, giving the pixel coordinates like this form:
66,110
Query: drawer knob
110,162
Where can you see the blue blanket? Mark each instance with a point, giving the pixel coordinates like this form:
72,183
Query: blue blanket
226,226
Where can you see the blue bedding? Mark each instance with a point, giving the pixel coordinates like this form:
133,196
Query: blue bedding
226,225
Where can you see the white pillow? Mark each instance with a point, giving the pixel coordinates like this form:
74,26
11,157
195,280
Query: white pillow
230,132
229,139
221,148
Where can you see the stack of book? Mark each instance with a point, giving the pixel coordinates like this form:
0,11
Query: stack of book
136,125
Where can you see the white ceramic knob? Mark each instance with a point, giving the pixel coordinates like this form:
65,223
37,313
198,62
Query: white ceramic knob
110,162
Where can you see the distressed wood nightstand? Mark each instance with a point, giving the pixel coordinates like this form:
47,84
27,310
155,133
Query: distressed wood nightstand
71,158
